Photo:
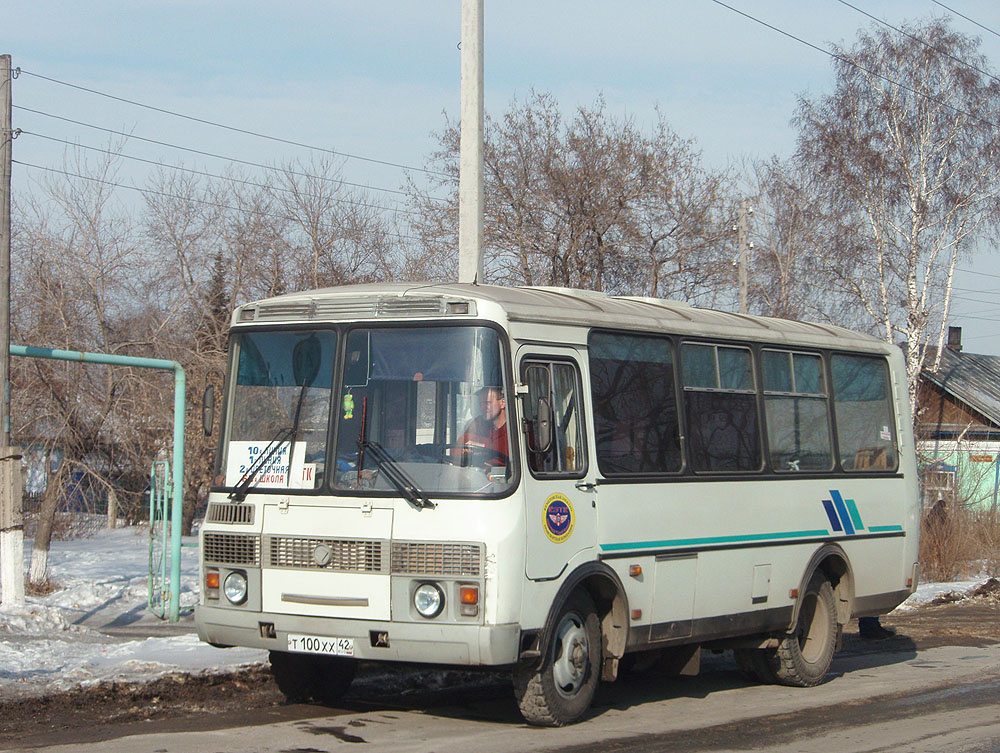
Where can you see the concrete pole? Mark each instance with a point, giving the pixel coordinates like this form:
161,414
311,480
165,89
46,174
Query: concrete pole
743,235
470,175
11,513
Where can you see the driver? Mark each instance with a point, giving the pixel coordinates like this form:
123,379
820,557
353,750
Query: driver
489,428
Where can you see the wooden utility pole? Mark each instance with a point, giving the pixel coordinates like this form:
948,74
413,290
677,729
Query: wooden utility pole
11,515
470,171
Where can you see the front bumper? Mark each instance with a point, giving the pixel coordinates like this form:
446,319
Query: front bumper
468,645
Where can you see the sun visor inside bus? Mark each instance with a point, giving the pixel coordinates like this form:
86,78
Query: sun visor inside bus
451,354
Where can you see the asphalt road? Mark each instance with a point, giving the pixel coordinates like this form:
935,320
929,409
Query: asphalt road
879,698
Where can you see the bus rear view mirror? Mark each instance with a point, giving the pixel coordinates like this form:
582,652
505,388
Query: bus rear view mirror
541,438
305,361
208,409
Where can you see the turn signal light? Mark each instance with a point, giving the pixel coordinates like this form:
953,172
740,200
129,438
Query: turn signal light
468,597
212,581
635,570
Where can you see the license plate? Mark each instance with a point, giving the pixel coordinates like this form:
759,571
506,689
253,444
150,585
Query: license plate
316,644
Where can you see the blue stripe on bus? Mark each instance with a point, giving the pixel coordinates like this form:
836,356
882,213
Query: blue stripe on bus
884,529
714,540
845,516
832,515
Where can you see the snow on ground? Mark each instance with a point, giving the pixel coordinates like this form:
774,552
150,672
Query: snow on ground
95,626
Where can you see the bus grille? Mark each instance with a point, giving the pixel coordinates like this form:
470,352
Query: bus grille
345,555
427,558
232,549
233,514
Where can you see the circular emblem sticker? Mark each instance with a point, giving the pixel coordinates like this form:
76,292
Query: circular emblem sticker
557,517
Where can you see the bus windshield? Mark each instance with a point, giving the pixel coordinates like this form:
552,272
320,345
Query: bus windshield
279,414
431,402
424,404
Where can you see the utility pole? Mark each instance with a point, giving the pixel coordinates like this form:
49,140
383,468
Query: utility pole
470,171
742,235
11,514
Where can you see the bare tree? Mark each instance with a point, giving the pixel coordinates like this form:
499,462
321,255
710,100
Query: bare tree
591,203
77,285
337,234
906,148
790,253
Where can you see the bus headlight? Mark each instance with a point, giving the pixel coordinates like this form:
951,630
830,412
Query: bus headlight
235,587
428,600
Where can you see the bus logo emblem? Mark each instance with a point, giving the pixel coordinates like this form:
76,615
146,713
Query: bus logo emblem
843,513
557,518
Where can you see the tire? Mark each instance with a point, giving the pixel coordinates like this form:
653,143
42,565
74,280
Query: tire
332,677
302,677
559,690
803,656
755,664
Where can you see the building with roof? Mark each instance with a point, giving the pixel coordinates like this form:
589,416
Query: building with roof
958,427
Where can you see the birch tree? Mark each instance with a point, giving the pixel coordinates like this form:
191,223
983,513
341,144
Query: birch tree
907,147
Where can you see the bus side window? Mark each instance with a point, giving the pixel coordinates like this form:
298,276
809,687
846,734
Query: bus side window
796,411
721,407
553,423
634,396
866,422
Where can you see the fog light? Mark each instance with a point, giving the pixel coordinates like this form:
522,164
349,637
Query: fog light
236,587
428,600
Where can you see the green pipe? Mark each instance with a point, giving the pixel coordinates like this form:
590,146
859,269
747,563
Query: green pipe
177,502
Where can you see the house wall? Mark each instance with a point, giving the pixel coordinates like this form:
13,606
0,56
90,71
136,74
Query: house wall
976,465
938,408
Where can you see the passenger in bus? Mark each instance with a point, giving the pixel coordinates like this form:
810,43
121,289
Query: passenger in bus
487,430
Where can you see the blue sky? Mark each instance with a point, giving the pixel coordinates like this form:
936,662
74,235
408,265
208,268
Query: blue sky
374,79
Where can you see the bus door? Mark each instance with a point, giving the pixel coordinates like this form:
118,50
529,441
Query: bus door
560,498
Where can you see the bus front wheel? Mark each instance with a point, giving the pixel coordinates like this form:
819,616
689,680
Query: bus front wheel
558,690
305,677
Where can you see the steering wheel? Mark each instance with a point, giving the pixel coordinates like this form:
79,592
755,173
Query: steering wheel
472,454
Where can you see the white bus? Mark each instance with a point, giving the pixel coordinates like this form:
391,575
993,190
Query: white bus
551,480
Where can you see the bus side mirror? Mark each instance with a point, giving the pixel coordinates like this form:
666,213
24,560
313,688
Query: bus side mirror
208,409
541,439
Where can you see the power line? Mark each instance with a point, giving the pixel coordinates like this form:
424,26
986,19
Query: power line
154,192
918,39
974,272
234,129
955,12
861,68
212,175
203,153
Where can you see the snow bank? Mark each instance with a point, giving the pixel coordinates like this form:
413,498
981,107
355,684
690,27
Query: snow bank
55,642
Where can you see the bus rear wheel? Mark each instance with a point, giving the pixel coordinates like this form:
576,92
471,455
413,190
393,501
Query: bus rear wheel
803,656
559,690
305,677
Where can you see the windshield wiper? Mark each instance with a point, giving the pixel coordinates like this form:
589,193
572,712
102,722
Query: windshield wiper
396,475
239,493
